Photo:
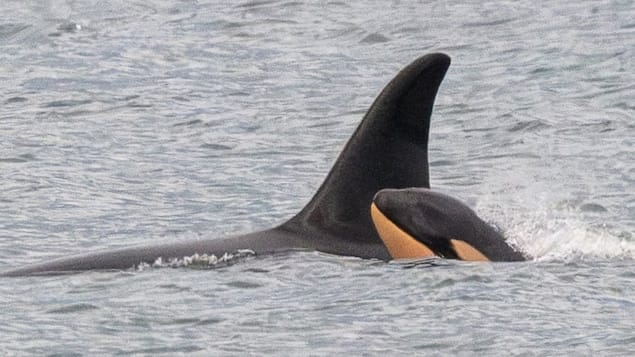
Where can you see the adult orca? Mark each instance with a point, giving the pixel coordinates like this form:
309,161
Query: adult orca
418,223
389,149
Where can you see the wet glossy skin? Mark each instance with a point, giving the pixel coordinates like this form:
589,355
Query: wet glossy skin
444,225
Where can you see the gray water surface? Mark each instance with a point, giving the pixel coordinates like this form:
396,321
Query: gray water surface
127,123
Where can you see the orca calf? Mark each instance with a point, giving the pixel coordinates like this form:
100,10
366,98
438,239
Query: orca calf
389,149
418,222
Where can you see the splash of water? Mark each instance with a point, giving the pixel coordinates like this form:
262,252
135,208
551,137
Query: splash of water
545,237
200,261
548,231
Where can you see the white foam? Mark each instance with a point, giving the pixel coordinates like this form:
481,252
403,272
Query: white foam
551,232
567,238
197,260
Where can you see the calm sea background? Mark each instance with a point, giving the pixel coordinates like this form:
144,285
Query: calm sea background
131,122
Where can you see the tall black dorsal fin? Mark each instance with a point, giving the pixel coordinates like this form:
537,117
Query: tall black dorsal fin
389,149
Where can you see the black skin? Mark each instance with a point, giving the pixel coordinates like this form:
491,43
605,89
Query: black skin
389,149
434,218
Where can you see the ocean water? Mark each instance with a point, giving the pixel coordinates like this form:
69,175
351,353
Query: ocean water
131,122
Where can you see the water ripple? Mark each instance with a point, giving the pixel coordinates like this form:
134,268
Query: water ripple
138,122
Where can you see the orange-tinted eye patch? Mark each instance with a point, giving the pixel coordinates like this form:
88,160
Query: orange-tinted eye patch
400,244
